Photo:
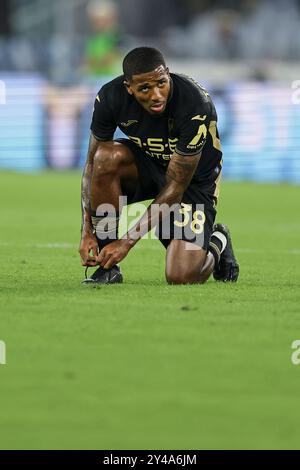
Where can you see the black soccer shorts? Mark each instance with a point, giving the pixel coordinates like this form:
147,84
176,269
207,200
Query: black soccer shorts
193,219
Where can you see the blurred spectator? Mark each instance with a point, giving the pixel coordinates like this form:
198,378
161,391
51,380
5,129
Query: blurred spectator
251,29
270,31
148,19
212,35
53,37
102,55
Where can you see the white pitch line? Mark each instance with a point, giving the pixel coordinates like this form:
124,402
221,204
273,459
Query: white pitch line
54,245
71,246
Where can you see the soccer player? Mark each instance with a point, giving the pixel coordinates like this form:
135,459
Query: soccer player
173,156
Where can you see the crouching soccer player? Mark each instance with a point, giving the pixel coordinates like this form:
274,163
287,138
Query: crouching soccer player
172,155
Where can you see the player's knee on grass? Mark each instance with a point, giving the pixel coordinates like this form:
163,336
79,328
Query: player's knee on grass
185,277
177,276
184,266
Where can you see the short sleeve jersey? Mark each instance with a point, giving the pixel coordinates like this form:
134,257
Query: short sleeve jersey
188,126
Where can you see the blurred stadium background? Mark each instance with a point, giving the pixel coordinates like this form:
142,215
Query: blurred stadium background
55,55
145,365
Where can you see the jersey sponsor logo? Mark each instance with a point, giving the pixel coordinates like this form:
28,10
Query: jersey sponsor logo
158,148
197,147
198,118
199,140
129,122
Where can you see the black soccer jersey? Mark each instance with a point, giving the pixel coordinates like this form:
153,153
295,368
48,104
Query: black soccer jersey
188,125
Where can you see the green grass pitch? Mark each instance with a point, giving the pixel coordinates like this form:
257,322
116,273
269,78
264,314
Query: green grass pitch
145,365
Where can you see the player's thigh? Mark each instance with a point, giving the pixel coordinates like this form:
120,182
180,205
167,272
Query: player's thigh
121,160
184,262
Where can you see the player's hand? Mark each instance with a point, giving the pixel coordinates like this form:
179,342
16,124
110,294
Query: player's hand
89,244
114,253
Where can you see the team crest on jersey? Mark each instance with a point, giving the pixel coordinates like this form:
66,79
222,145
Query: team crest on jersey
129,123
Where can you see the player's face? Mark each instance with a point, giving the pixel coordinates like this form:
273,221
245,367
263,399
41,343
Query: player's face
151,89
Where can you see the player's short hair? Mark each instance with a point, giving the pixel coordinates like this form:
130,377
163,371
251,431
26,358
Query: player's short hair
142,60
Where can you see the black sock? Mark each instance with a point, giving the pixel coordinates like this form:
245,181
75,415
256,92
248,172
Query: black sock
106,227
217,245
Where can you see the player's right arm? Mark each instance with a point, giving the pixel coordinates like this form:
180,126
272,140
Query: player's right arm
88,241
102,130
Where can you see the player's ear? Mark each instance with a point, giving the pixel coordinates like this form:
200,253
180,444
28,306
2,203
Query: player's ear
128,87
168,71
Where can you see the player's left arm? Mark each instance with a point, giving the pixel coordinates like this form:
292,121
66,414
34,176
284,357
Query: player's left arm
178,176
